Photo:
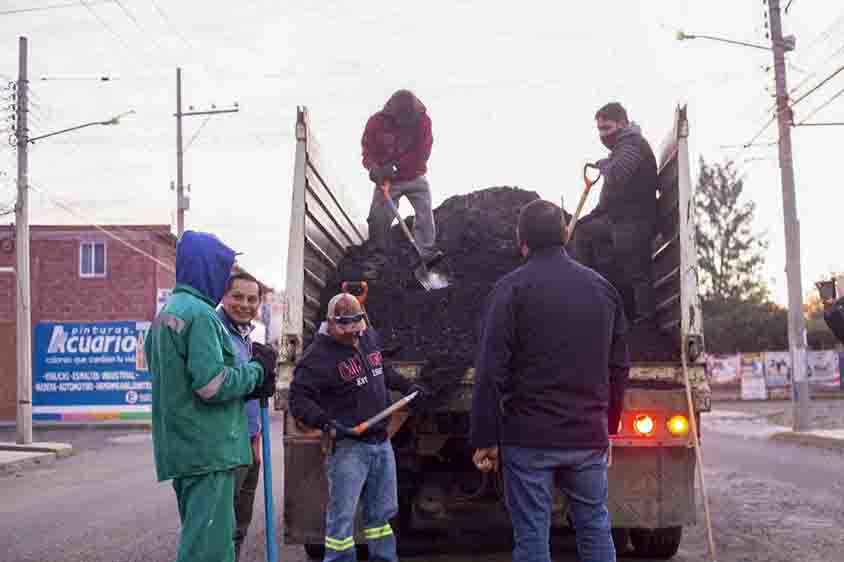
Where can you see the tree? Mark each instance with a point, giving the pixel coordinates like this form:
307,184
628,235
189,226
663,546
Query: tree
730,255
734,325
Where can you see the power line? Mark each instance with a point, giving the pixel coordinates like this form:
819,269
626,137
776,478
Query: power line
129,14
818,86
750,143
822,106
44,8
196,134
108,233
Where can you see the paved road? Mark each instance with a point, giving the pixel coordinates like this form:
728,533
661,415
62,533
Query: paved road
771,502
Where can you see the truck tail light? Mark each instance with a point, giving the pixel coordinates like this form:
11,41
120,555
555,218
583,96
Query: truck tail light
644,424
678,425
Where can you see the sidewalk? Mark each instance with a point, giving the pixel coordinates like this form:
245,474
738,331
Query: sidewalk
14,457
14,461
753,426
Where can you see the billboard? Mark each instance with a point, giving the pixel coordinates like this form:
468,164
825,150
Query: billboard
753,377
823,369
777,369
723,369
90,367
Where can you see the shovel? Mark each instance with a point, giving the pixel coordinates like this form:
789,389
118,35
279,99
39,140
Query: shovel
589,183
329,438
428,279
269,515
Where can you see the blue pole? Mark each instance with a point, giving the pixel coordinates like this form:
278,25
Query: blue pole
269,516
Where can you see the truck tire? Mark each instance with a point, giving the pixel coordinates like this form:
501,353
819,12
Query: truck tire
656,543
315,551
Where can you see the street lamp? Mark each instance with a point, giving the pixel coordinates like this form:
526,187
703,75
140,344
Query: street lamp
796,321
108,122
788,42
24,311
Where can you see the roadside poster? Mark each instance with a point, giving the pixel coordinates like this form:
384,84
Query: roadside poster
90,367
777,369
823,369
723,369
753,377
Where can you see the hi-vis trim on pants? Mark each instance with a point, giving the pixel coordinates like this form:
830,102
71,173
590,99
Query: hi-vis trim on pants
335,544
378,532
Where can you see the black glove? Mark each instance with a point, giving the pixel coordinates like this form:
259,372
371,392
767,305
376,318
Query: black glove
338,430
422,400
380,173
424,392
267,357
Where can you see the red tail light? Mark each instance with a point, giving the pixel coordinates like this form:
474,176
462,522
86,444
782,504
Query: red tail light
643,424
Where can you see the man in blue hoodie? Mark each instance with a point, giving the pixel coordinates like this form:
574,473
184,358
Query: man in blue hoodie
237,311
615,238
198,390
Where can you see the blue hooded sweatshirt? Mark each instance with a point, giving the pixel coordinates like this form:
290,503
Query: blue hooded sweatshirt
204,263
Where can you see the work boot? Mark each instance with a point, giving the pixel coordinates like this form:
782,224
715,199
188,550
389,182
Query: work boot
373,266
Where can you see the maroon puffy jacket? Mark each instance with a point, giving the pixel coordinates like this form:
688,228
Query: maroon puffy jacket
386,140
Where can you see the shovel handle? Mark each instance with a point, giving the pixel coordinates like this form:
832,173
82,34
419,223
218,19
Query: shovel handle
589,182
361,289
586,179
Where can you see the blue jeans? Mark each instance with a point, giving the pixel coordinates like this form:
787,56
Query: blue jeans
528,477
366,472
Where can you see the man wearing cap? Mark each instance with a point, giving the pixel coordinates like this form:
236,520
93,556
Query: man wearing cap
198,389
341,381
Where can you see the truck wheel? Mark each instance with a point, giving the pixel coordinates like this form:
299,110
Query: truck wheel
315,551
656,543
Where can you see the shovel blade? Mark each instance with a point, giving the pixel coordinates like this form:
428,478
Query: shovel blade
430,279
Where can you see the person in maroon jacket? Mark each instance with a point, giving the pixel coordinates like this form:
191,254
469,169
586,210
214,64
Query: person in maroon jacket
396,146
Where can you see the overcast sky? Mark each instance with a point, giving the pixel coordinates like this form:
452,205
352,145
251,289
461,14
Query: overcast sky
511,88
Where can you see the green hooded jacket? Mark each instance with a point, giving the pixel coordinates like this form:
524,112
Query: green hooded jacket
198,416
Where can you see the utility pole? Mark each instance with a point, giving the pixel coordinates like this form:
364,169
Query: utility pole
182,202
796,321
24,319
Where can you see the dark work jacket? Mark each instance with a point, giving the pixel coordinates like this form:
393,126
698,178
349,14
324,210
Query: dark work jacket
834,317
552,362
337,382
630,178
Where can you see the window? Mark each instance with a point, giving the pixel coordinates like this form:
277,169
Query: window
92,259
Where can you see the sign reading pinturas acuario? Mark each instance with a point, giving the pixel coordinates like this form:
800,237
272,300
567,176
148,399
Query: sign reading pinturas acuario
99,365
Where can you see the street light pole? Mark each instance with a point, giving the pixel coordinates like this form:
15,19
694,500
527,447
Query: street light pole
796,321
24,317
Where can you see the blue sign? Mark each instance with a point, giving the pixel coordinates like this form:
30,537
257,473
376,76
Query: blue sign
99,364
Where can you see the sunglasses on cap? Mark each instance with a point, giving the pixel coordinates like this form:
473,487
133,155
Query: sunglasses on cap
347,320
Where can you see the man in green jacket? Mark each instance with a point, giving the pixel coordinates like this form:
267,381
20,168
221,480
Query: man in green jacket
198,416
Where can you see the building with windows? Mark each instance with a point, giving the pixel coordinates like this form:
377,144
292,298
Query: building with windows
94,289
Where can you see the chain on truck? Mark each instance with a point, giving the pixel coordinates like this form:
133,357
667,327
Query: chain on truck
652,477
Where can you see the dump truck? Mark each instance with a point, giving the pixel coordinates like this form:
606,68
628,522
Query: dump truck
652,475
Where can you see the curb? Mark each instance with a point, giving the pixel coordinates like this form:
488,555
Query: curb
57,449
813,439
145,425
26,460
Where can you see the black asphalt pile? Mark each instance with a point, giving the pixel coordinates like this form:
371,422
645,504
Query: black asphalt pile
477,233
